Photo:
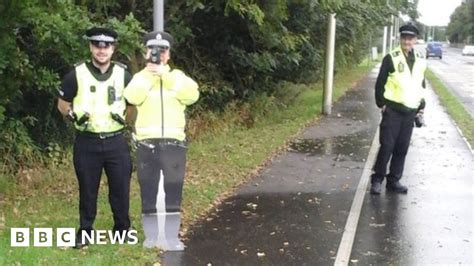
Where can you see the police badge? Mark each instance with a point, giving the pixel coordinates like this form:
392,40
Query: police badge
401,67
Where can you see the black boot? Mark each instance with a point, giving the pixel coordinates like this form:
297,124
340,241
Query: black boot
376,188
82,244
395,186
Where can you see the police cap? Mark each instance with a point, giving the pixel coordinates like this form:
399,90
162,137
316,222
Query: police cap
101,37
158,38
408,29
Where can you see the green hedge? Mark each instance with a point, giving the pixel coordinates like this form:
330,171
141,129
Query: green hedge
236,50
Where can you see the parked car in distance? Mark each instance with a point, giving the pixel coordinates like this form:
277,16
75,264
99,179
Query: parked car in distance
434,49
468,50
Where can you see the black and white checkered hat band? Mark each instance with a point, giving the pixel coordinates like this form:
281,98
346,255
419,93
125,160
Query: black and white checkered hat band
408,32
155,42
101,38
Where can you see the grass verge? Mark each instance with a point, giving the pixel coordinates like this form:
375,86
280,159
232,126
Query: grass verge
217,163
453,106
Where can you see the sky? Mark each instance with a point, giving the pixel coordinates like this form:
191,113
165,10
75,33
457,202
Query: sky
436,12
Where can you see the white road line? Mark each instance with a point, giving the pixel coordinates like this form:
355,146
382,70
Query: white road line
345,247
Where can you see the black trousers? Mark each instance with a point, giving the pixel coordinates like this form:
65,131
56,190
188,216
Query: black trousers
158,156
91,155
396,129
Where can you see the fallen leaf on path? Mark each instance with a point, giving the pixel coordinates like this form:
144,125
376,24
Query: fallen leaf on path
369,253
376,225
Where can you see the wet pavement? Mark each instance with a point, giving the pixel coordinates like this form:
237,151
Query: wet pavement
294,212
433,224
457,72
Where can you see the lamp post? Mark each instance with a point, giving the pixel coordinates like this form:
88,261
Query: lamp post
158,15
329,71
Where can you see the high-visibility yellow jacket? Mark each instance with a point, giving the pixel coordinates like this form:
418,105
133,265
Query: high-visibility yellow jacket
404,86
99,99
161,102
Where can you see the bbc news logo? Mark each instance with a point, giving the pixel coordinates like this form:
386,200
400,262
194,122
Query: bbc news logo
66,237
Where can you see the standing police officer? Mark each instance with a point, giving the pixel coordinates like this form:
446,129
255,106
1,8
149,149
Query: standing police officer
91,96
399,92
161,96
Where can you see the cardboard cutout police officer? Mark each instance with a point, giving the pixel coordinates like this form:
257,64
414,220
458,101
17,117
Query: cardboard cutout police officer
91,96
399,92
161,95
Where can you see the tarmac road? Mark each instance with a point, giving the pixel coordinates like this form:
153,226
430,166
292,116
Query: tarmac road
457,72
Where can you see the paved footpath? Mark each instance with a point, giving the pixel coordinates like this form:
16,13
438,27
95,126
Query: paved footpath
295,212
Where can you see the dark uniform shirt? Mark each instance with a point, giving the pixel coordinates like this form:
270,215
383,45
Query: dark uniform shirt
386,69
69,84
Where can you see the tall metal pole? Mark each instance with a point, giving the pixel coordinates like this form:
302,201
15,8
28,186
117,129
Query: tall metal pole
427,34
369,50
385,32
395,30
391,34
158,15
329,77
